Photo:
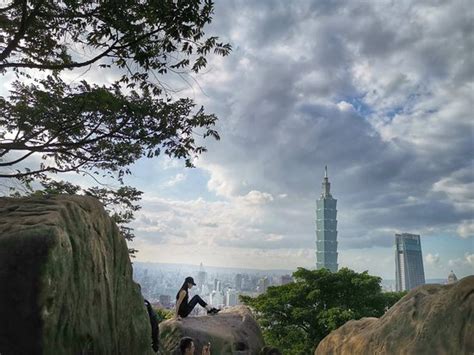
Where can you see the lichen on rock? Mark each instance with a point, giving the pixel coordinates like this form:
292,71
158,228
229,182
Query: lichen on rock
431,319
66,280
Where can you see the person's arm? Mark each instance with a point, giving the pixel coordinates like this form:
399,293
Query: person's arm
182,294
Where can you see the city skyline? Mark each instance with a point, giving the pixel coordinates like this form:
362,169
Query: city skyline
222,286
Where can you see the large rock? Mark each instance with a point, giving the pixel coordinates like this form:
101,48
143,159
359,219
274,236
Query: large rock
431,319
232,331
66,281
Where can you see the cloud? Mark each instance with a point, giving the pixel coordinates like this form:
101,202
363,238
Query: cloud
466,229
379,91
469,259
432,259
370,100
302,90
175,180
256,198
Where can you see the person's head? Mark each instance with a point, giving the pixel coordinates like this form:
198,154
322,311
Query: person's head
186,346
189,281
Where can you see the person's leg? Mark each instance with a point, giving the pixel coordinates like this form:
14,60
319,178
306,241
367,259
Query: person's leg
198,300
195,300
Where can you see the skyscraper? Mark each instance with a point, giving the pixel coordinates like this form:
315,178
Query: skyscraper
409,271
238,282
201,277
232,297
326,228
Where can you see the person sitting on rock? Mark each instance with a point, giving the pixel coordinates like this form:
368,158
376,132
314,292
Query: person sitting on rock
183,307
186,347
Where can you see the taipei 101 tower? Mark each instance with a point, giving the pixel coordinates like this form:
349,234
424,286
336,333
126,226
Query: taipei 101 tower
326,228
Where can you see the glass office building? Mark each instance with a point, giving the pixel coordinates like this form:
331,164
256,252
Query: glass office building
409,271
326,228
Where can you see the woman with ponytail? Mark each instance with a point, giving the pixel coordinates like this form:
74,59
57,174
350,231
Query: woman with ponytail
184,306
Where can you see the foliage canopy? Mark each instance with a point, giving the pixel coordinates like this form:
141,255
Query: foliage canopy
51,125
295,317
87,126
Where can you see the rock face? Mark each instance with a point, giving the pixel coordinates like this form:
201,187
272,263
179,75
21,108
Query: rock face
232,331
431,319
66,281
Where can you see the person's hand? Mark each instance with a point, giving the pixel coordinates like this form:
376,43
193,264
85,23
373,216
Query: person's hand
206,349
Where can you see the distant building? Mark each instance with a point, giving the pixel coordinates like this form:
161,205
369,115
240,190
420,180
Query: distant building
165,301
452,278
285,279
263,284
238,282
217,285
216,299
409,272
201,278
326,228
232,298
249,282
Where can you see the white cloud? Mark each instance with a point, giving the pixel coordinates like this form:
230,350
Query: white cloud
466,229
345,106
432,259
256,198
168,163
469,259
175,180
220,182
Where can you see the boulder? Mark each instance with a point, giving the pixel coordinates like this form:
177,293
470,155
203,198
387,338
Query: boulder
232,331
431,319
66,280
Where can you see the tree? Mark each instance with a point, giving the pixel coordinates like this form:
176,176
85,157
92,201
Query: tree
295,317
49,126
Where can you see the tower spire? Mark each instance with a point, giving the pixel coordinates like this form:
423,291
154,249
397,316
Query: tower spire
326,185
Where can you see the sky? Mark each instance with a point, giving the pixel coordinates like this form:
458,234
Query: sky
379,91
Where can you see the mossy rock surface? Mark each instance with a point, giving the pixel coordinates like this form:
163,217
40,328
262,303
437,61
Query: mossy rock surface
66,280
431,319
233,331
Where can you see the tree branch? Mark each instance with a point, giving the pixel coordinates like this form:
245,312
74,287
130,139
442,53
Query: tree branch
48,169
24,23
13,162
58,66
113,47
